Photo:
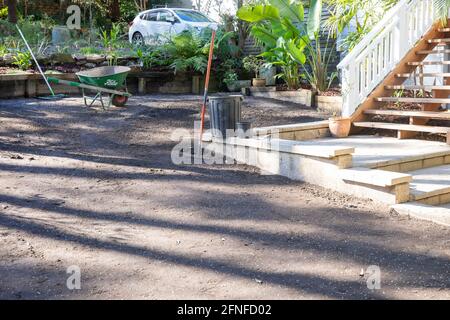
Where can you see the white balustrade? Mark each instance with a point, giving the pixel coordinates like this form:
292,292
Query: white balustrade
366,66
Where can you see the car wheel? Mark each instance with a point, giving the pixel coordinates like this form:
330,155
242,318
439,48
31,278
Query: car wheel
138,39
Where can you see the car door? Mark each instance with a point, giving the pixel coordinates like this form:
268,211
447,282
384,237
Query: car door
166,24
149,21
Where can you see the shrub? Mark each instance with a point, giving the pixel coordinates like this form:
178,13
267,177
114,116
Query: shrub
23,60
4,13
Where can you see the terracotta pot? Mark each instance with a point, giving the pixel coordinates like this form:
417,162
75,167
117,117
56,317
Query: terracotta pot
257,82
340,127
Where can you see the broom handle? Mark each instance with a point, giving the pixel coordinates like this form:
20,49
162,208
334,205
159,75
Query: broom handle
208,74
35,60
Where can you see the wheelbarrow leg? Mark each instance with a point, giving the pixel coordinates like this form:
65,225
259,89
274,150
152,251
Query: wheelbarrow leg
84,98
101,100
111,99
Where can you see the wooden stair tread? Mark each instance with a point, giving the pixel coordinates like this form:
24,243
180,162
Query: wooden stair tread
415,87
413,100
431,74
402,127
441,40
417,114
427,63
433,51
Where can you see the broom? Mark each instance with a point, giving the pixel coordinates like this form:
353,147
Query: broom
53,96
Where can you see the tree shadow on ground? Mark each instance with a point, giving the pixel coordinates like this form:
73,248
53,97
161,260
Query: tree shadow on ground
337,243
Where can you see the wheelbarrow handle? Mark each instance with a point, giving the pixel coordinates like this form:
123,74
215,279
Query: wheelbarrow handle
86,86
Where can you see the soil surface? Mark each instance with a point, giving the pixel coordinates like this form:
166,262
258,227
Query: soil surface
98,191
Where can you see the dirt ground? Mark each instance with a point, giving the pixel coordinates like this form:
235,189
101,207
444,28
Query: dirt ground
98,190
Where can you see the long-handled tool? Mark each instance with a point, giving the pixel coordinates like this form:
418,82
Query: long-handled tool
54,96
208,74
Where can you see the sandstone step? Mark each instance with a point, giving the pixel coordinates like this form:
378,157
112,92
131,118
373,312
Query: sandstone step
375,177
431,185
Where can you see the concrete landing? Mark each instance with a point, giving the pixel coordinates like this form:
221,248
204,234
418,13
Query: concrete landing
436,214
430,182
375,151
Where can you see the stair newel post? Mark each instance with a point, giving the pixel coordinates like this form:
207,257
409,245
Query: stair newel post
350,89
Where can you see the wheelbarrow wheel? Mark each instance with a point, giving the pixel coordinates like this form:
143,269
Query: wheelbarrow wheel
119,101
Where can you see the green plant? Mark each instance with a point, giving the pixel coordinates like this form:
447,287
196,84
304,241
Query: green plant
196,55
152,57
280,27
189,52
282,57
23,60
36,30
398,94
253,64
230,78
3,50
110,38
318,74
90,50
363,13
4,13
441,8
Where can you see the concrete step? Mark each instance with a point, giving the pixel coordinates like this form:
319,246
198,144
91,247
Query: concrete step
437,214
397,183
375,177
431,185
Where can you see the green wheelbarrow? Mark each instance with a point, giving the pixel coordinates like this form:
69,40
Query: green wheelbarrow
102,80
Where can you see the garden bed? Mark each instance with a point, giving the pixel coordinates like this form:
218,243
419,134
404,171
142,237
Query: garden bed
300,96
329,103
31,84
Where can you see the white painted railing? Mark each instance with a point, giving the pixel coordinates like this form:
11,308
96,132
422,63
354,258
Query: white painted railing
381,50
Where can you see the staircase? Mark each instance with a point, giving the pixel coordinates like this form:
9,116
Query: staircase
375,71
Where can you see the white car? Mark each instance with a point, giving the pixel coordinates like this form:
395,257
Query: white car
158,25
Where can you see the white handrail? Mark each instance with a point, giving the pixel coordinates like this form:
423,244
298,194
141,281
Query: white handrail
366,66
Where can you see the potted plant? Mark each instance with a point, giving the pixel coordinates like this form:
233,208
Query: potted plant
233,83
339,126
231,80
254,64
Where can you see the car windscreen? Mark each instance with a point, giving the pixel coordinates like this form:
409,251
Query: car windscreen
191,16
